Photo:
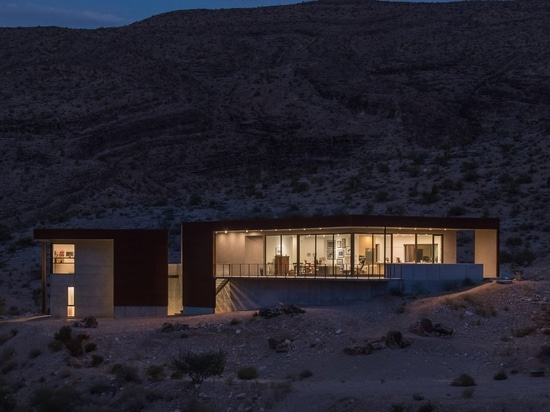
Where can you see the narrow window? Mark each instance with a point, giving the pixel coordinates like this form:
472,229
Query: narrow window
70,302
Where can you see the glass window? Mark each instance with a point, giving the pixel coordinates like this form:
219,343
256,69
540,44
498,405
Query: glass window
63,259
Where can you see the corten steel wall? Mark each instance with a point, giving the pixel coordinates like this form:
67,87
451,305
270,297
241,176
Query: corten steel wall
140,262
197,258
198,248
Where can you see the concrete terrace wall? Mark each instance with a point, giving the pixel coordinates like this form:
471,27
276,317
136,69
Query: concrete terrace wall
254,293
431,278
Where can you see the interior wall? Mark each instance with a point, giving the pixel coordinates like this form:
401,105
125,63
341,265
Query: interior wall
230,247
449,246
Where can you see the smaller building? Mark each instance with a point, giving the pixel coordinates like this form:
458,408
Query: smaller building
104,273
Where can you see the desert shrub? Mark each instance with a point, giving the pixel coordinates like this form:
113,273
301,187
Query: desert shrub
101,387
6,355
248,372
235,321
155,372
522,332
200,366
306,373
399,407
96,360
7,400
55,345
463,380
34,353
5,233
544,352
500,376
126,373
74,346
8,367
90,347
46,399
427,407
133,398
64,334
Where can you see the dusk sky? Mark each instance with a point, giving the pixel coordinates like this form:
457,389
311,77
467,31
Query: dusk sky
90,14
105,13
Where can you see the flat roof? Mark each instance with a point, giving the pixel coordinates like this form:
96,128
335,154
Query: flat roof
462,223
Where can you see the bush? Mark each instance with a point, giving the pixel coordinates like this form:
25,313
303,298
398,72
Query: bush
90,347
306,373
521,332
464,380
64,335
155,372
7,400
248,372
500,376
34,353
97,359
200,366
74,346
47,399
126,373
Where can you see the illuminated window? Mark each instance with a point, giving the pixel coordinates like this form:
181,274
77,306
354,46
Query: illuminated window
70,302
63,259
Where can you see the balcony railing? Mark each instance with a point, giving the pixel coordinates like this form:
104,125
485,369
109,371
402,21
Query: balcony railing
309,271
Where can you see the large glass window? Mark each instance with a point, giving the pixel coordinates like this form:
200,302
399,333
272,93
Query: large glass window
280,252
63,258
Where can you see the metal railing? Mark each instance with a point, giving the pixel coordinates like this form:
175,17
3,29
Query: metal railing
259,270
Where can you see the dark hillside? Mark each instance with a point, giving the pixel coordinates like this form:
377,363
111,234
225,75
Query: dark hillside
320,107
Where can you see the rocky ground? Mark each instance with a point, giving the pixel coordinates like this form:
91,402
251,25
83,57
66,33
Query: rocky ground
497,328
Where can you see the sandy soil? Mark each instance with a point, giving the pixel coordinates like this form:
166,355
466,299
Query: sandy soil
487,321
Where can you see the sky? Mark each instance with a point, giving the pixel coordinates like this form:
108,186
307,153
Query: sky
91,14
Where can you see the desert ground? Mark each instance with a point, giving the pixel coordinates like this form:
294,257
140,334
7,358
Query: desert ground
499,330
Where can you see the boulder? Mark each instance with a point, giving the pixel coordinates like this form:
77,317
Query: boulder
443,330
173,327
396,340
87,322
280,343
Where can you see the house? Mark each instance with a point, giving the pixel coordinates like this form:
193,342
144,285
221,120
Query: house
247,264
105,273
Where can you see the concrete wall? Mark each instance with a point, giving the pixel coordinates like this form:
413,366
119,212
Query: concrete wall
92,281
139,311
427,277
58,294
254,293
94,278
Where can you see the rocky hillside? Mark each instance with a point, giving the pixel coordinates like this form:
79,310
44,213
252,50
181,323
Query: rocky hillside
333,106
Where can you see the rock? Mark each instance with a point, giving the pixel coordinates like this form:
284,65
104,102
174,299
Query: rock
395,340
269,312
443,330
280,344
172,327
422,327
87,322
